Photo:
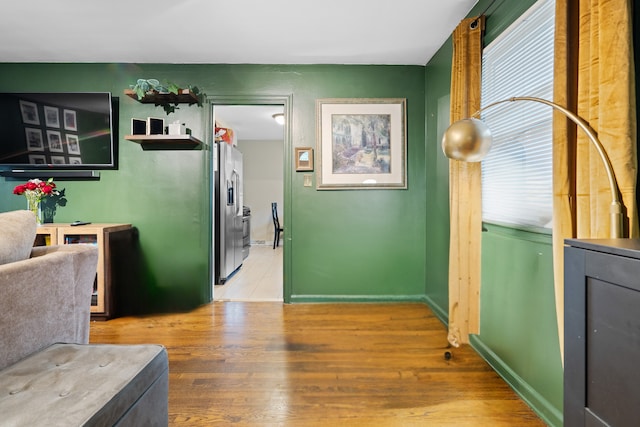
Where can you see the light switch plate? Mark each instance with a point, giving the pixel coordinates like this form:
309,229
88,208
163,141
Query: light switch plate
307,180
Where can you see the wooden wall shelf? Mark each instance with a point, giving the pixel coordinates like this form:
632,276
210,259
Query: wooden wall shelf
166,142
184,96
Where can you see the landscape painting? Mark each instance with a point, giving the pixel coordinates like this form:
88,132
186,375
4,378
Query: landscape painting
361,143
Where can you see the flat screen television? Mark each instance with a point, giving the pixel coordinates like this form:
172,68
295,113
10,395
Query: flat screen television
57,131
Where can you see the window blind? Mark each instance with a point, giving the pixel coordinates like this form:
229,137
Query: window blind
517,173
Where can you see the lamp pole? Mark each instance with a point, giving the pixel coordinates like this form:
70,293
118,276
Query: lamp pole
470,140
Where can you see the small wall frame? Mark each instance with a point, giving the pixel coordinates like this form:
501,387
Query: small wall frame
304,159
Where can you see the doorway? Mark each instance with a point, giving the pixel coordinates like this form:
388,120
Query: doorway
252,129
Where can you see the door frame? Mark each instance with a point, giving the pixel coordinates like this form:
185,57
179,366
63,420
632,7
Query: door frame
286,102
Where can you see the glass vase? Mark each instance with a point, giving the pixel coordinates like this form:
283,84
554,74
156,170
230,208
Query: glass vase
34,206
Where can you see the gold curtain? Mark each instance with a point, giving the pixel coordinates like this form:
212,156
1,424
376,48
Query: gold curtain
464,188
593,76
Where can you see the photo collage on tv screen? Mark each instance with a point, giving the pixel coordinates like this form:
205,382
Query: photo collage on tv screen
51,134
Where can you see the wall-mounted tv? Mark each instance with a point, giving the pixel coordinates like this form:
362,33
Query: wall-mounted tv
61,131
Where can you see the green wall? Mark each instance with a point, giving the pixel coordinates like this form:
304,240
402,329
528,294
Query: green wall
518,328
438,83
518,331
339,245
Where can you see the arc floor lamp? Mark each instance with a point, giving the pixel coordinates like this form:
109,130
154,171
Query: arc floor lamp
470,140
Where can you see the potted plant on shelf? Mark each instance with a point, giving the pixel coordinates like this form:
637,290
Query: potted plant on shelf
151,87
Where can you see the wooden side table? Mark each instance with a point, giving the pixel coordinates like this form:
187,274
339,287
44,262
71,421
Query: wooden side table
111,240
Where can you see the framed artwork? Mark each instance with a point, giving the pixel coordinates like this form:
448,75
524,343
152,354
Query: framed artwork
155,126
75,161
58,160
70,120
37,159
55,141
29,112
362,143
138,127
34,139
73,144
51,116
304,158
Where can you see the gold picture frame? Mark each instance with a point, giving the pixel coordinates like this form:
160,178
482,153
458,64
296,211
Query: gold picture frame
361,143
304,159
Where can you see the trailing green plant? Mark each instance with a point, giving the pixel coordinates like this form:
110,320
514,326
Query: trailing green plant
199,95
144,86
170,108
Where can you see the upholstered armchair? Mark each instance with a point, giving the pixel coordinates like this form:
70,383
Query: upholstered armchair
45,292
49,373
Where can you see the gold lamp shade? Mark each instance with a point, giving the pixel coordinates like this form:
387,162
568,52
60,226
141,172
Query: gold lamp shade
468,140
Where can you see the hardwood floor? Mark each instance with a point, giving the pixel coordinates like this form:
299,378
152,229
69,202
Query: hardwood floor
259,278
274,364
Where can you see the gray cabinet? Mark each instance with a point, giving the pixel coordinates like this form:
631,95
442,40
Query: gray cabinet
602,332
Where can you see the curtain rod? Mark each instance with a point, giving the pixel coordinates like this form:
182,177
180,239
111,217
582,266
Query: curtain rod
474,23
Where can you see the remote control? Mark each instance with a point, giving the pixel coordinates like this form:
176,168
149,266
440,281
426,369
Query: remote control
75,223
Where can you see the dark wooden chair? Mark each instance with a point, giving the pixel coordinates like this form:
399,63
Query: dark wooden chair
276,225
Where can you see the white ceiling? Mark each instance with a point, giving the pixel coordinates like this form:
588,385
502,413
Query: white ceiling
406,32
393,32
251,122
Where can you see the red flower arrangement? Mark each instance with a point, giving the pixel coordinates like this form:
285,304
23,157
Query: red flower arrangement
35,190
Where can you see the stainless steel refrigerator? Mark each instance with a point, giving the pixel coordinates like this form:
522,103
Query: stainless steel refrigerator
228,228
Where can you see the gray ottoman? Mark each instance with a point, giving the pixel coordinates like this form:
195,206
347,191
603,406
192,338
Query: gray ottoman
87,385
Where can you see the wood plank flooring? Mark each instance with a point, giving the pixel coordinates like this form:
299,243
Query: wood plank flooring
273,364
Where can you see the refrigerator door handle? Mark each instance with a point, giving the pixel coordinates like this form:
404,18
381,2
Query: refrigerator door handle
230,195
235,176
